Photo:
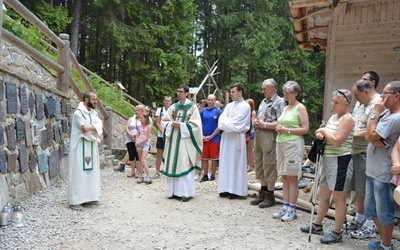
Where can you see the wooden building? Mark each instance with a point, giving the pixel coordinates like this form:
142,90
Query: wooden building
356,35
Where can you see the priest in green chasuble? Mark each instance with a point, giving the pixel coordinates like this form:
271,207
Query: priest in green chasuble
183,146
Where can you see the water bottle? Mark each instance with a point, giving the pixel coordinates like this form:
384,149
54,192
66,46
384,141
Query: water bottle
9,207
4,216
17,216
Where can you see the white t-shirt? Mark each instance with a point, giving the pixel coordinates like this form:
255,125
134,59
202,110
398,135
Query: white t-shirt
160,112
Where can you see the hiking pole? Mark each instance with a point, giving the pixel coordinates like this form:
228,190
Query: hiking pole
315,191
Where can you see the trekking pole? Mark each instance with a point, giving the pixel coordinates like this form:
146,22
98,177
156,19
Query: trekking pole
315,191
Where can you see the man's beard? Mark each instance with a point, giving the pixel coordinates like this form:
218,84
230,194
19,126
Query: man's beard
91,105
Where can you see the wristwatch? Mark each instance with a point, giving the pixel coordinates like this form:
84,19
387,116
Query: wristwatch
289,132
265,125
373,117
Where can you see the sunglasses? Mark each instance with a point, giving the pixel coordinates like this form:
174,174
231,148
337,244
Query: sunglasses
343,94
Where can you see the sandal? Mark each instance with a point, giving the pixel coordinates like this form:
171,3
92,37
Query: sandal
156,176
131,175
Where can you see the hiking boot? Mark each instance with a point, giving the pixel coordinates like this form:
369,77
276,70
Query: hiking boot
315,229
378,246
289,216
352,225
205,178
212,178
269,201
120,168
363,233
279,214
331,237
259,199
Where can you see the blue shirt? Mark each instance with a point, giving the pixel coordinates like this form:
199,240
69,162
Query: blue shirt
209,118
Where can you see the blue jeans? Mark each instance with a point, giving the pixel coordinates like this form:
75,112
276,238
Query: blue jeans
379,201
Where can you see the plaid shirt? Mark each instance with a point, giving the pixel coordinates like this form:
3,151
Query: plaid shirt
270,109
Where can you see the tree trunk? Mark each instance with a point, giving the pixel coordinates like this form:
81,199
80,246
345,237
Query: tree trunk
75,26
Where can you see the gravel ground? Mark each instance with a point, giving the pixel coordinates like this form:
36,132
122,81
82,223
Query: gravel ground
139,216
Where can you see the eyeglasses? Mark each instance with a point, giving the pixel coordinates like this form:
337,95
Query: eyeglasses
343,94
180,91
388,92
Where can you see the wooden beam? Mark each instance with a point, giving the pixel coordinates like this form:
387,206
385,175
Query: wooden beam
312,3
312,13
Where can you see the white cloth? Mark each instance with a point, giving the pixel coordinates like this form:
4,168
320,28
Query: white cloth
182,150
160,112
84,185
234,122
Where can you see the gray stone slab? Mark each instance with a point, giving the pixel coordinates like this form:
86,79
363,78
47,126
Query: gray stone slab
10,133
28,134
2,141
2,112
32,103
3,162
69,110
43,141
12,98
23,98
50,134
23,158
61,151
57,113
51,107
35,133
1,90
20,128
57,133
43,163
54,164
64,106
12,162
39,107
64,125
32,161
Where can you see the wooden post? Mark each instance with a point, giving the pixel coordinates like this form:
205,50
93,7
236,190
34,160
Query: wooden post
1,28
108,127
63,59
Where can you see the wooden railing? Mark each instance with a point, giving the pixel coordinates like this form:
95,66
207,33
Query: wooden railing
62,66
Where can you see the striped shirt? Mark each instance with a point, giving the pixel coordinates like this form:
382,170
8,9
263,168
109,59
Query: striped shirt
345,147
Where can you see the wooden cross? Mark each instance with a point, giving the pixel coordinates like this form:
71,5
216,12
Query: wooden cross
178,117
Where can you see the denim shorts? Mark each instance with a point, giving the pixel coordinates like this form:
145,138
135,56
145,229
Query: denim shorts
379,201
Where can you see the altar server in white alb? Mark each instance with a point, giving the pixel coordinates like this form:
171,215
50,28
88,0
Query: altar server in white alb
234,122
84,160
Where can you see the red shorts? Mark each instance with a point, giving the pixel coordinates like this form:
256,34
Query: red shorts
210,150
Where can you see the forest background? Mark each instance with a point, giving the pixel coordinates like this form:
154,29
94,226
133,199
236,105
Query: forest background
151,46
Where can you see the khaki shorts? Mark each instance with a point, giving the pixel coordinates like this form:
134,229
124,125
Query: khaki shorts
265,155
289,157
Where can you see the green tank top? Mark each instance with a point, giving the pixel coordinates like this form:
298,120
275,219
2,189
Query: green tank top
289,119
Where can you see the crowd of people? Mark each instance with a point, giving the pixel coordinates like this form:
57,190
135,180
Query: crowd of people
360,151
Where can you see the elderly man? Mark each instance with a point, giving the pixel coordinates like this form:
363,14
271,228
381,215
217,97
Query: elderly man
383,130
265,143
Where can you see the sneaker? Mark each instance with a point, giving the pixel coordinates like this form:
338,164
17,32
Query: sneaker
147,180
140,180
315,229
212,178
352,225
196,177
378,246
205,178
289,216
363,233
331,237
279,214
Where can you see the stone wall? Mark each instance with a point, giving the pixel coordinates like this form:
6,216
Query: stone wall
34,125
